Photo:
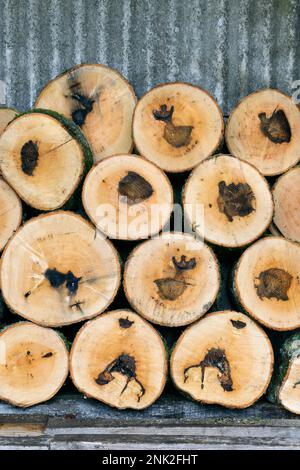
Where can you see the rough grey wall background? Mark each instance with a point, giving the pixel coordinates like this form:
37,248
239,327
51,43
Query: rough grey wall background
230,47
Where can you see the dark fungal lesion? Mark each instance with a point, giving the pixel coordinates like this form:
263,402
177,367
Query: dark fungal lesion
235,200
184,264
177,136
126,366
83,105
78,305
273,283
29,157
171,288
238,324
135,188
125,323
49,354
215,358
79,115
276,127
57,279
296,384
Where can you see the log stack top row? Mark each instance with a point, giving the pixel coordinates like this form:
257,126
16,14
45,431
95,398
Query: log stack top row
71,154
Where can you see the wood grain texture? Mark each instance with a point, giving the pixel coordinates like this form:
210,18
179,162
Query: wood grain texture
71,422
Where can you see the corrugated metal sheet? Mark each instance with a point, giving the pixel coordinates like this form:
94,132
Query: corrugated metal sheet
230,47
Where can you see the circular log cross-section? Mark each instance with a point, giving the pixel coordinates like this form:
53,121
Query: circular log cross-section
56,270
266,282
225,359
120,360
6,116
286,194
172,280
41,161
127,197
34,364
264,129
285,384
177,125
227,201
99,100
10,213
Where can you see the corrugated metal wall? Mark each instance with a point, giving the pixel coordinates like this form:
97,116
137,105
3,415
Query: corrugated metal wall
230,47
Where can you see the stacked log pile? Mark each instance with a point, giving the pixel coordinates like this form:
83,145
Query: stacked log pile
101,274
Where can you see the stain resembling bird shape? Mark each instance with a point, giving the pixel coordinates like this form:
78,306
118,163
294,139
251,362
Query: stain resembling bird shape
177,136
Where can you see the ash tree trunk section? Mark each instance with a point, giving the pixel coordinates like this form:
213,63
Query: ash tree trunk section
127,198
286,194
41,160
119,359
225,358
264,129
56,270
177,125
285,385
99,100
227,201
10,213
172,280
266,283
34,364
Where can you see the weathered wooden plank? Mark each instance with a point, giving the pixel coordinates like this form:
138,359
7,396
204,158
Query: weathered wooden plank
172,409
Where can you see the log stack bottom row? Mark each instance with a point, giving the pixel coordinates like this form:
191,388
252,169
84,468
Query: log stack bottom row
70,185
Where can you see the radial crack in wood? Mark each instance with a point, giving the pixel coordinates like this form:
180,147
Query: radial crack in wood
55,272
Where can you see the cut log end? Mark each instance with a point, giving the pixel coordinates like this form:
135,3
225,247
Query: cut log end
177,125
99,100
172,280
6,116
33,366
224,359
286,209
264,129
10,214
57,270
227,201
127,197
266,282
120,360
285,385
41,160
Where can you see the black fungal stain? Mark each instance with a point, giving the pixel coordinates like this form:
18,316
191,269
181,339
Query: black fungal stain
238,324
125,365
79,115
274,283
276,127
177,136
125,323
77,305
57,279
296,384
235,199
135,188
171,288
29,157
49,354
183,264
215,358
